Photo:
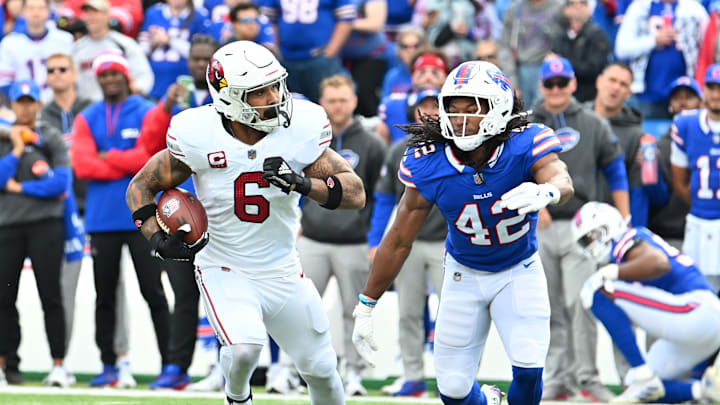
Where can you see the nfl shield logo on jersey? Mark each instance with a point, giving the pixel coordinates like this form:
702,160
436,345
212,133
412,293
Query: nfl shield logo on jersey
457,276
252,154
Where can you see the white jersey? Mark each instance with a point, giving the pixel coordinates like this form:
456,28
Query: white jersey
252,224
24,58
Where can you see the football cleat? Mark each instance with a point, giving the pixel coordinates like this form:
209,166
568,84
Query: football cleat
214,381
108,377
640,391
59,377
412,389
353,385
125,377
595,391
492,393
711,384
171,377
394,387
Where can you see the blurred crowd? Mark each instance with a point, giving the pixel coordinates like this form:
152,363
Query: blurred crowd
88,88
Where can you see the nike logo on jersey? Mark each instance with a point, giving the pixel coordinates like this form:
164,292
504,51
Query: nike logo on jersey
528,264
482,196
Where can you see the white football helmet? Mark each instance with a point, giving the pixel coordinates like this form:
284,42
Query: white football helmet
478,80
239,68
595,226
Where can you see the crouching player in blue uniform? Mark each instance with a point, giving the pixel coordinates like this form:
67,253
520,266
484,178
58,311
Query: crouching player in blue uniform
645,282
489,171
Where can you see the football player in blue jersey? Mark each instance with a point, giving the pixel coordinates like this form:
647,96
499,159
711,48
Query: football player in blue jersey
645,282
489,171
695,160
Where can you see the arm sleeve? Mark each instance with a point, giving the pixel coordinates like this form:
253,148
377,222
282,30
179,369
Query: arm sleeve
151,140
85,160
345,11
49,187
629,44
8,167
382,210
615,174
678,155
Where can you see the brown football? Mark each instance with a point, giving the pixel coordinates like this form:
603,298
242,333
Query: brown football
178,207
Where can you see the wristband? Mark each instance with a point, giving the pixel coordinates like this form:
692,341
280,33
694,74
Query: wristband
304,185
143,213
367,301
334,193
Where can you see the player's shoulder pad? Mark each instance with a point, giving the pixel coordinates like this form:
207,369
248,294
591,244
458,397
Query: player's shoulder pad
627,241
422,160
310,122
532,138
190,125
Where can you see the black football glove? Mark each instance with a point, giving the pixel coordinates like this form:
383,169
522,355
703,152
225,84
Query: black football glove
278,172
173,247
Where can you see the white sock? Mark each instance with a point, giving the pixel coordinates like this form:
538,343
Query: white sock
696,389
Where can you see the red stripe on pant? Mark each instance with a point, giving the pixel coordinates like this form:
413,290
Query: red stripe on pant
649,302
212,306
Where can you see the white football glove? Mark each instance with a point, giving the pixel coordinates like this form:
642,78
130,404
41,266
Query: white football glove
363,333
529,197
602,278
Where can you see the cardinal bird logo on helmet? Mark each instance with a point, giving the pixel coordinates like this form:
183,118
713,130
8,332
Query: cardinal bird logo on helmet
216,75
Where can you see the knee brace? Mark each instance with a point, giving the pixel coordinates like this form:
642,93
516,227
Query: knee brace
238,362
526,386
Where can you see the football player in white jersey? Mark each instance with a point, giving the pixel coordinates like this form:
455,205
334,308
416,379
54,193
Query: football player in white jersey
252,153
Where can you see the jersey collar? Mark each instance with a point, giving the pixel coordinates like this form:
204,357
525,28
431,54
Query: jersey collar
455,162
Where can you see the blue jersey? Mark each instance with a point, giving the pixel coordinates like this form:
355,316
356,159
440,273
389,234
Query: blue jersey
393,110
666,64
170,61
691,134
683,276
305,27
481,234
361,45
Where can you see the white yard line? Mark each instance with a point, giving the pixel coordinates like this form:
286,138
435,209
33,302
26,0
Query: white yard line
136,393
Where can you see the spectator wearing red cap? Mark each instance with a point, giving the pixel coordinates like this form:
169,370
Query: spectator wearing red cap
429,69
101,38
105,127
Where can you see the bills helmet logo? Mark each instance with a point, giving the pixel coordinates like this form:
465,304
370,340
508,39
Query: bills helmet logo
500,79
466,72
216,75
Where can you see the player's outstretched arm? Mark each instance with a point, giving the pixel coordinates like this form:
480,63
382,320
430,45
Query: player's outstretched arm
550,169
331,164
161,172
395,247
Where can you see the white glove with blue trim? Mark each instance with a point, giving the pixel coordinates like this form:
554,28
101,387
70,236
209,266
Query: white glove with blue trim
530,197
363,333
600,279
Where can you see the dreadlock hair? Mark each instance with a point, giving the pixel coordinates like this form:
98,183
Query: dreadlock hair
428,131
